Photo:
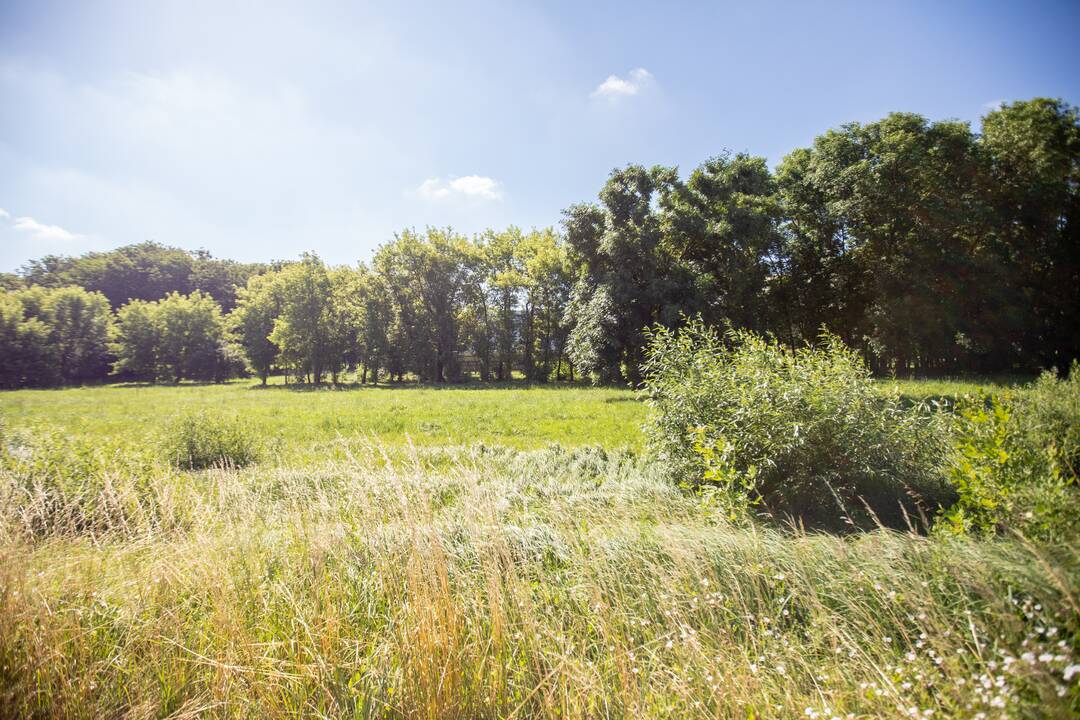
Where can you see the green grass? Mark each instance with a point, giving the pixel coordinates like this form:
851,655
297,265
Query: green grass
948,390
487,574
308,425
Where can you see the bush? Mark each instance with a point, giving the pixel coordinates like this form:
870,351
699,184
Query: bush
1014,460
1048,413
201,439
804,433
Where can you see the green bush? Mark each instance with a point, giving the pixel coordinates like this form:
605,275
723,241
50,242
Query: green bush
1049,416
1014,460
202,439
803,433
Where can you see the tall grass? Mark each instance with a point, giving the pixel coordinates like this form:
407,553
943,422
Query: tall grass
490,583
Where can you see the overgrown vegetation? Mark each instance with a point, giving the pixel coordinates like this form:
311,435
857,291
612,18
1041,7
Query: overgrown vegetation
1015,461
197,440
801,433
545,584
357,579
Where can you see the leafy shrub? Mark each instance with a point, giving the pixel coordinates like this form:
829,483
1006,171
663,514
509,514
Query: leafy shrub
1014,461
1048,413
802,432
201,439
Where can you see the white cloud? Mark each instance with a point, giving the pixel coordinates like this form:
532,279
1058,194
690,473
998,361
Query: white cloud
4,214
469,186
41,231
993,105
615,86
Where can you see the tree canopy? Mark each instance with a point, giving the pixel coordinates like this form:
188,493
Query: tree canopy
926,246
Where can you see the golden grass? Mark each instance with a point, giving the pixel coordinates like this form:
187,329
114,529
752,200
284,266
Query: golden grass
496,584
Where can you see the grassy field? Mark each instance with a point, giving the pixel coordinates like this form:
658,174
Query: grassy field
308,425
489,574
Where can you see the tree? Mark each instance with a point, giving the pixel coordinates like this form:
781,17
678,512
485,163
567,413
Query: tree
303,330
180,337
624,283
28,357
374,315
1033,152
547,280
78,333
145,271
428,282
258,307
136,340
721,228
55,336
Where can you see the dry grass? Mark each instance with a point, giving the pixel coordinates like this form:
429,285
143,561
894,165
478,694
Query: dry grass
475,584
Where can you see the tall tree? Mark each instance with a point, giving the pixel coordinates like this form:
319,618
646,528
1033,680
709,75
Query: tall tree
259,304
721,225
624,283
304,329
1033,149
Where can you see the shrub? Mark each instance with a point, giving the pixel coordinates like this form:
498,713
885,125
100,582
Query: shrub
201,439
1014,460
1048,413
802,432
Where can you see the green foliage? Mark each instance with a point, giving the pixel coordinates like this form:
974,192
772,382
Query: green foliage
626,273
145,271
1014,461
258,306
1049,410
806,432
53,336
203,439
178,337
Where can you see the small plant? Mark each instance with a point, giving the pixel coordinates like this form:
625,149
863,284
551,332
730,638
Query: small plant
804,432
202,439
1014,460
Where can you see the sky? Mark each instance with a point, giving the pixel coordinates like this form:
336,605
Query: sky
258,130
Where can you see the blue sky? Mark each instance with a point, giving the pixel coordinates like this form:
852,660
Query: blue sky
258,130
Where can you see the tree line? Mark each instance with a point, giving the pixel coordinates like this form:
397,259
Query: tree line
924,245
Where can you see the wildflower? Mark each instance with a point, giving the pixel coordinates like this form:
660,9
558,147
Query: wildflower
1070,671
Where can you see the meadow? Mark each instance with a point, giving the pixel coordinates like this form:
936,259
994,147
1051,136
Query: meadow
308,424
473,552
312,423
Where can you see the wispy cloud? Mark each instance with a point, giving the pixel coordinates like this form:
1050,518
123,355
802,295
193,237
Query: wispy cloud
615,86
4,214
469,186
41,231
993,105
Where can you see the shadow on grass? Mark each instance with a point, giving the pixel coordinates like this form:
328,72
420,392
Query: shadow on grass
948,390
415,385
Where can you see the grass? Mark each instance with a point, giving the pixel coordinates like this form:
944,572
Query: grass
509,579
949,390
308,425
